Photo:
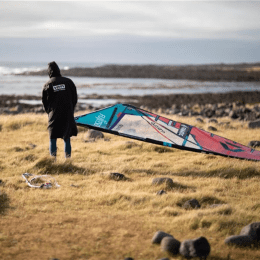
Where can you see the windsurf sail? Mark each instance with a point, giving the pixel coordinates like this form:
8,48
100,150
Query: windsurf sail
132,122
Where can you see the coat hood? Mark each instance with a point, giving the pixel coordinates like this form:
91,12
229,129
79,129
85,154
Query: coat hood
53,70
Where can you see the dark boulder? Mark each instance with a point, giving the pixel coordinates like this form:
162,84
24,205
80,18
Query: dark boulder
213,120
233,115
220,112
117,176
94,134
158,236
199,120
198,247
249,235
191,204
212,128
170,245
252,230
254,124
167,181
239,241
207,112
254,144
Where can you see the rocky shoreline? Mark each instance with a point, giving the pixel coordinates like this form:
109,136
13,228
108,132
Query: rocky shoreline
236,105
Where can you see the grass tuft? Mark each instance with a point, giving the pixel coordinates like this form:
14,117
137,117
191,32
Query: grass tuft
4,202
13,125
209,200
49,166
256,207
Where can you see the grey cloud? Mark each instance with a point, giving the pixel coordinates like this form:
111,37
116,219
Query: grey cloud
196,19
64,11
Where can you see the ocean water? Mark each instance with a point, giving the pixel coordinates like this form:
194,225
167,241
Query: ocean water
10,83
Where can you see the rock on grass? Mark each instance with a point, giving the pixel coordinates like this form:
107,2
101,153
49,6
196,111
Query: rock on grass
212,128
198,247
167,181
94,134
254,144
158,236
252,230
191,204
170,245
249,235
254,124
239,241
117,176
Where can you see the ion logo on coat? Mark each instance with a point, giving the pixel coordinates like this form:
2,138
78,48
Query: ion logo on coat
59,87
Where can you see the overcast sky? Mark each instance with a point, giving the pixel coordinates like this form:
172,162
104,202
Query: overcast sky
176,32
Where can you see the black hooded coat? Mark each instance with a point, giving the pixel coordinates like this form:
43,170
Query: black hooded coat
59,98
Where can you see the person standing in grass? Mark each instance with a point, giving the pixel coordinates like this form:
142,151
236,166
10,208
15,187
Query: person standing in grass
59,98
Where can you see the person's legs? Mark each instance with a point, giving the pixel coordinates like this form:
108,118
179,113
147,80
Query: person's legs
53,147
67,148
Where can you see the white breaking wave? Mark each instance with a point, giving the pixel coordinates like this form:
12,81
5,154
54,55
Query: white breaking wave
4,70
8,68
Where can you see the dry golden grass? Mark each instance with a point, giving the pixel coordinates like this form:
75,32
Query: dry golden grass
254,68
92,216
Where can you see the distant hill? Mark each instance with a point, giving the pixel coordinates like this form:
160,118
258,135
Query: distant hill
211,72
